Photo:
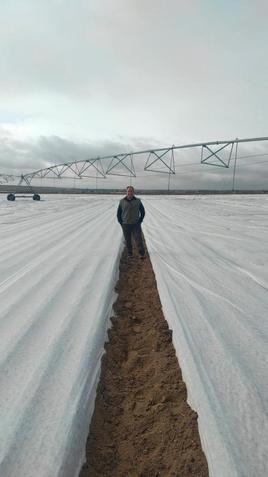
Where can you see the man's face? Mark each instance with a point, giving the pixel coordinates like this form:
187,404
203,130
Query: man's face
130,192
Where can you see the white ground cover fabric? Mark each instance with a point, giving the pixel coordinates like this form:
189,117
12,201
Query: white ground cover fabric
58,267
210,257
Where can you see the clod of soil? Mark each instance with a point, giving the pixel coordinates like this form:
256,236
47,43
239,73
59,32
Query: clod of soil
142,425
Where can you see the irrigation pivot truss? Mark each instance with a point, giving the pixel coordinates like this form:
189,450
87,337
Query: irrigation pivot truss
160,160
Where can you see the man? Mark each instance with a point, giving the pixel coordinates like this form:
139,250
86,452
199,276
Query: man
130,214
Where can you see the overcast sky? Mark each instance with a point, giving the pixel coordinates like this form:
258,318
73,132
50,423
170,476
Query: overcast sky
92,77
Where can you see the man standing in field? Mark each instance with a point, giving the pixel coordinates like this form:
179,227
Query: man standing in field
130,214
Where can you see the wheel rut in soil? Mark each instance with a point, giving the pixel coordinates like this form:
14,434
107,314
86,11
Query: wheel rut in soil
142,425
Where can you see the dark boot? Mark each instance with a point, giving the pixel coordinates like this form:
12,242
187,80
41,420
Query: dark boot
127,231
138,239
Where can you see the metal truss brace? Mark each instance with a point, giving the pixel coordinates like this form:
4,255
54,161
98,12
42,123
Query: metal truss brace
77,169
117,160
215,154
92,163
27,180
159,157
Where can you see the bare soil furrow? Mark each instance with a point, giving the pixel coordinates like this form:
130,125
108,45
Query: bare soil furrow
142,425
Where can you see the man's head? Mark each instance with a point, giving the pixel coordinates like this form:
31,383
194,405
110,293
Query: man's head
130,192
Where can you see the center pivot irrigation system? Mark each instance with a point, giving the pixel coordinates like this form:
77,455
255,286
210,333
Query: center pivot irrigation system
161,160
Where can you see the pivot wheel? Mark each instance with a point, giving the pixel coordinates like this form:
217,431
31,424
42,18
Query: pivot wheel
11,197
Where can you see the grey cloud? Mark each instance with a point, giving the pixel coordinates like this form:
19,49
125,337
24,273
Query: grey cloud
252,164
45,151
123,69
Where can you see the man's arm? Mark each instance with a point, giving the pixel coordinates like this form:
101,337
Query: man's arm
119,214
142,212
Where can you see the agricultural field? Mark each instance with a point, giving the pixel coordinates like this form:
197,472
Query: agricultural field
59,261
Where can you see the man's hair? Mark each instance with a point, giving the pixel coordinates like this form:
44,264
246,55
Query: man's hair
130,187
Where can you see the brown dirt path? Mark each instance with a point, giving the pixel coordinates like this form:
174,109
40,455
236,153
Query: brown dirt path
142,425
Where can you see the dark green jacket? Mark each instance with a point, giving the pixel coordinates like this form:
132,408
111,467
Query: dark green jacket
130,211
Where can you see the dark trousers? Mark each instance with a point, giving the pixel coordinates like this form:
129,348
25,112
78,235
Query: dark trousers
133,230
